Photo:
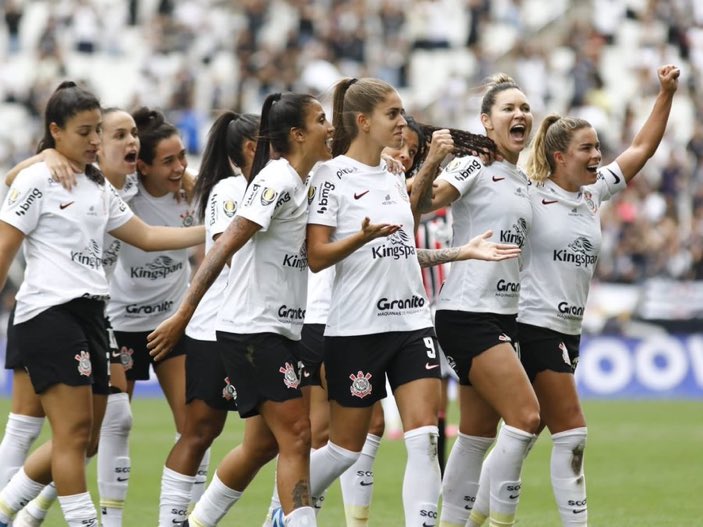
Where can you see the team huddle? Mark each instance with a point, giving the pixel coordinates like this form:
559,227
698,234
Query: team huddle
308,303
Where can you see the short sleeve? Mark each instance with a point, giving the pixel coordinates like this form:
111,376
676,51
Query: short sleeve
461,173
120,213
610,181
223,204
323,197
260,198
22,206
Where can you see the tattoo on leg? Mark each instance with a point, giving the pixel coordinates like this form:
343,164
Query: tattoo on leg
301,494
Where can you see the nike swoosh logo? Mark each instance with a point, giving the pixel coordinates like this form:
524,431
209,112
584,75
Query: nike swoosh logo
468,507
578,511
306,374
64,205
617,178
514,497
360,194
116,354
366,483
497,178
549,201
122,479
429,366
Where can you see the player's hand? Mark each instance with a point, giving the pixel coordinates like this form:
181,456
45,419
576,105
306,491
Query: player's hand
441,145
372,231
162,340
669,77
479,248
394,166
61,169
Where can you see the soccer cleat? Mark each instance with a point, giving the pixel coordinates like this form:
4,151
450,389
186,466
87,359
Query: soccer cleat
277,518
24,519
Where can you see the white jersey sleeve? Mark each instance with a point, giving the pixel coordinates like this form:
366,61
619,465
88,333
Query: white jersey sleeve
324,203
462,173
265,196
24,204
562,251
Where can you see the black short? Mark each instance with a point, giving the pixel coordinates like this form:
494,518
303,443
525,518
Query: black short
206,379
66,344
261,367
545,349
311,352
464,335
357,366
13,357
135,355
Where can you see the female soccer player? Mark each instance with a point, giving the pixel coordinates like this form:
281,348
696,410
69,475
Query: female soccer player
379,323
476,312
262,311
224,173
59,324
561,254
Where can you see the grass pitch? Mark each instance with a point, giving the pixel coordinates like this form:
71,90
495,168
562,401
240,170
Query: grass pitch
644,465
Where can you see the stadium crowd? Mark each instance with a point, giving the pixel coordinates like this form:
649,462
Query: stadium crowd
192,58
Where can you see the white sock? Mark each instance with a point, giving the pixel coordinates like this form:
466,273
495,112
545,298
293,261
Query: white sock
326,465
176,490
114,464
568,480
422,482
357,484
510,451
217,499
200,478
479,514
20,432
301,517
461,477
39,506
78,510
17,493
275,501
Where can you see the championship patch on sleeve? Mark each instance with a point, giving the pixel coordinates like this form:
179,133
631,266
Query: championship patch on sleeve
463,168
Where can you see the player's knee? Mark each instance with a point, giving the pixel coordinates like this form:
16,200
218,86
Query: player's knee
262,451
118,418
378,425
200,438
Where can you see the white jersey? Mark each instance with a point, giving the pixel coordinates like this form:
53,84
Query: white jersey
492,197
267,285
223,202
111,245
562,249
378,288
147,287
64,231
319,296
